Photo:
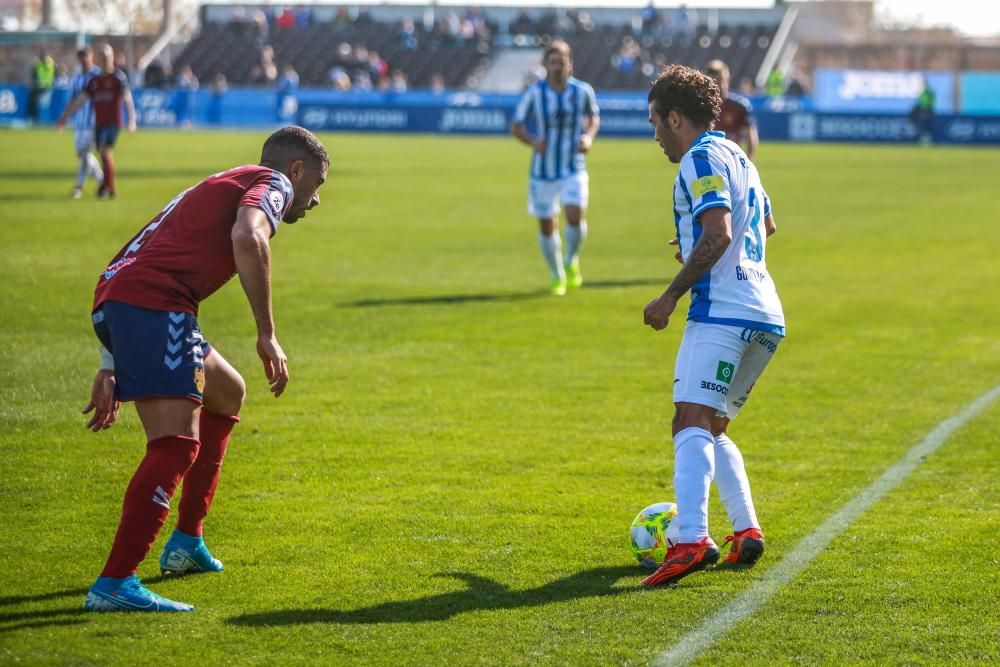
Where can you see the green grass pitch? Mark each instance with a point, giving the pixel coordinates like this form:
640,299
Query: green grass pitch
450,477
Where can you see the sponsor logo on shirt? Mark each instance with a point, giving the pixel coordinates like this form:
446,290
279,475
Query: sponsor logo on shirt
110,272
706,184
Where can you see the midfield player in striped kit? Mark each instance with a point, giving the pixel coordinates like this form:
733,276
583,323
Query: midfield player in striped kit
83,123
152,351
559,118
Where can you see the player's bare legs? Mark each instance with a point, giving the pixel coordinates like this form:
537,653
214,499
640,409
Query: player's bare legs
576,234
734,491
551,245
224,393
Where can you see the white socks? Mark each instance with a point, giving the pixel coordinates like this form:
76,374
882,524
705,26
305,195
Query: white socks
89,166
734,487
552,251
575,236
694,467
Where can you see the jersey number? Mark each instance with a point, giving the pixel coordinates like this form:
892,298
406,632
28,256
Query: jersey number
151,227
754,247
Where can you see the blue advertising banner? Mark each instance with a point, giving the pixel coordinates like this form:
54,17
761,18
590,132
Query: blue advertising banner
622,115
878,91
13,103
980,93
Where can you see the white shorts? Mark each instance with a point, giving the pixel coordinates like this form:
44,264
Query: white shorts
84,140
718,365
544,197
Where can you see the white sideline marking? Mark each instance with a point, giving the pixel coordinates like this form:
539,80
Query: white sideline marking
695,642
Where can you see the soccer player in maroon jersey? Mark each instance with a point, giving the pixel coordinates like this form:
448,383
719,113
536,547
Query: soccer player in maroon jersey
736,118
107,92
152,351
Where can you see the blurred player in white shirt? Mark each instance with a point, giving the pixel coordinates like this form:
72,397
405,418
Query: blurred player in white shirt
83,123
559,118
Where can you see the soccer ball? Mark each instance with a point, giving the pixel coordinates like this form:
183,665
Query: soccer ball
653,531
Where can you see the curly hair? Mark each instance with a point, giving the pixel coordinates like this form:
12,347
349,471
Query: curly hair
689,92
293,143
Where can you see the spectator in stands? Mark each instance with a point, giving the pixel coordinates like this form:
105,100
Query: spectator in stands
121,63
685,21
736,116
408,34
339,79
43,75
264,72
342,20
377,67
399,83
286,19
650,19
437,83
922,114
522,25
303,16
363,81
154,76
219,89
261,29
287,98
187,85
747,89
774,86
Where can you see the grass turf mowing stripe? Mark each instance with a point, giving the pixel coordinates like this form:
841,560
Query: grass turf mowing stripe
692,644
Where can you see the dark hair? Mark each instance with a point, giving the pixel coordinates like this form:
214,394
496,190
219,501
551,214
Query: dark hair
688,92
557,46
290,144
84,51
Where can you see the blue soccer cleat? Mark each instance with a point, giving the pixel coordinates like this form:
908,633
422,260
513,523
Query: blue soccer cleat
128,594
185,553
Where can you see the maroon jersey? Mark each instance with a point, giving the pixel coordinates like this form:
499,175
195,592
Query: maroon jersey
106,92
735,118
186,252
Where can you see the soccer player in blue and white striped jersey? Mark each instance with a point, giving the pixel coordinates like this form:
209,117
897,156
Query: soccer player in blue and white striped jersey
83,123
722,218
559,118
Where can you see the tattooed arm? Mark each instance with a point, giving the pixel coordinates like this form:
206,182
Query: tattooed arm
717,234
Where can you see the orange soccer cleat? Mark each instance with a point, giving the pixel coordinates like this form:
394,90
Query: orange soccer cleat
748,547
682,560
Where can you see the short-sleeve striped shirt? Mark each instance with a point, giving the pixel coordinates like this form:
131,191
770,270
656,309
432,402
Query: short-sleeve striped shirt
559,117
83,117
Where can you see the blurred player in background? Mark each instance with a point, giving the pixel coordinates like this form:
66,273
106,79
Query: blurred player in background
107,91
736,117
152,351
564,118
735,323
83,123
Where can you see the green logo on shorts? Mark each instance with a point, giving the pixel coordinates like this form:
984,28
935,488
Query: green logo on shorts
725,372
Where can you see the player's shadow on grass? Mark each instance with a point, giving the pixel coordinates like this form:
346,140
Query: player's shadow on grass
459,299
480,594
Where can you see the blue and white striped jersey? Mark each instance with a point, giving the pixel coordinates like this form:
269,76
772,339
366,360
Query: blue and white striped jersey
738,290
83,118
559,118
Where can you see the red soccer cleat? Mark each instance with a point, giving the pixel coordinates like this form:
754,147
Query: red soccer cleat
748,547
682,560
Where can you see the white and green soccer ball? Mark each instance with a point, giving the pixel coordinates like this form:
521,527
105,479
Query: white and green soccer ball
653,531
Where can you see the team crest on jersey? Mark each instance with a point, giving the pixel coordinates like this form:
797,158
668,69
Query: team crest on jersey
706,184
199,379
277,200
